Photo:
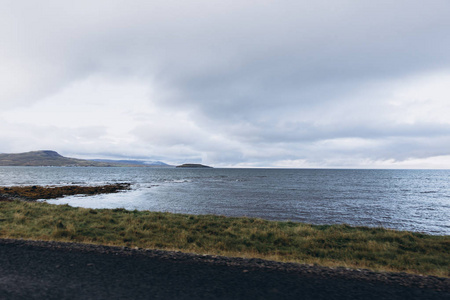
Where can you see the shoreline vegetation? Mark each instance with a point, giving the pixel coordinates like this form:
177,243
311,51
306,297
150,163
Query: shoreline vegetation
377,249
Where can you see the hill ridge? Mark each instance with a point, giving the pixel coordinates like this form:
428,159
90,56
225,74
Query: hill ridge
51,158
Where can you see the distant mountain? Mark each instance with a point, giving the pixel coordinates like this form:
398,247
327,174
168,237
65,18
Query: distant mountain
54,159
157,163
134,162
45,158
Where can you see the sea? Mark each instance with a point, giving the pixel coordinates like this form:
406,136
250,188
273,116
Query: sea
413,200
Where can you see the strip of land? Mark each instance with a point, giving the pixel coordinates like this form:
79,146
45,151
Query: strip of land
54,270
327,245
29,193
49,158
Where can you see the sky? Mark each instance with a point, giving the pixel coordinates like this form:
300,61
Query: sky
282,84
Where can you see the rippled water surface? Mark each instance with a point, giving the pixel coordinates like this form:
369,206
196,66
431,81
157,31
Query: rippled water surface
417,200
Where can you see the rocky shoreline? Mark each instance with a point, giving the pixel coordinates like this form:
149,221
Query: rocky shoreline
318,280
32,193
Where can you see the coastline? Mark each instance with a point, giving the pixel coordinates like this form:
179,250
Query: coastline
328,245
35,192
295,195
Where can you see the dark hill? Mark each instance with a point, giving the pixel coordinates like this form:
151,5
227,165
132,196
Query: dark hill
46,158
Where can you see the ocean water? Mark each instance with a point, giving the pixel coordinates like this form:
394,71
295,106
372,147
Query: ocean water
415,200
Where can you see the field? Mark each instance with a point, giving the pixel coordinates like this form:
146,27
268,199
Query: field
328,245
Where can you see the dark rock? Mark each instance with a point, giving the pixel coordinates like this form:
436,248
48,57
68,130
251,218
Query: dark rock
34,192
193,166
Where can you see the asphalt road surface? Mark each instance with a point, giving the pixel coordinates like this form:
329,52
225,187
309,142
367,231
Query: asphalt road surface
50,270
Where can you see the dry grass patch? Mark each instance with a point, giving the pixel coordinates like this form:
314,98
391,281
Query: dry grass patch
329,245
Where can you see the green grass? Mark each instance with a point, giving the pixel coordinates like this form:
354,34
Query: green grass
328,245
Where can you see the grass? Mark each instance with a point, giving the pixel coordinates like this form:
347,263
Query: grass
328,245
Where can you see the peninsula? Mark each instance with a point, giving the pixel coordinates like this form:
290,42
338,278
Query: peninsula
49,158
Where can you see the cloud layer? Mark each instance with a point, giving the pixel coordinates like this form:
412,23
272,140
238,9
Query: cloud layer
249,83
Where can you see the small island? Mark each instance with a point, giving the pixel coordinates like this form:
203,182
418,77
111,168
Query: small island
193,166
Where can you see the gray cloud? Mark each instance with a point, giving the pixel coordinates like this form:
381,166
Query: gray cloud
255,82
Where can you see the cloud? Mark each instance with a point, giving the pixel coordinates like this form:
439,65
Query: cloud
250,83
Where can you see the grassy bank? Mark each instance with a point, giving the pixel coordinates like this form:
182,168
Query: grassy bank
337,245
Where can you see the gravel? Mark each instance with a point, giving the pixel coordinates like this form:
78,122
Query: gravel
55,270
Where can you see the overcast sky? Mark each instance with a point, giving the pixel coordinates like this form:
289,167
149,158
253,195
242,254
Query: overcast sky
286,83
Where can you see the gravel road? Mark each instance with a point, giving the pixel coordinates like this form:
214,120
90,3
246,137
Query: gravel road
52,270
